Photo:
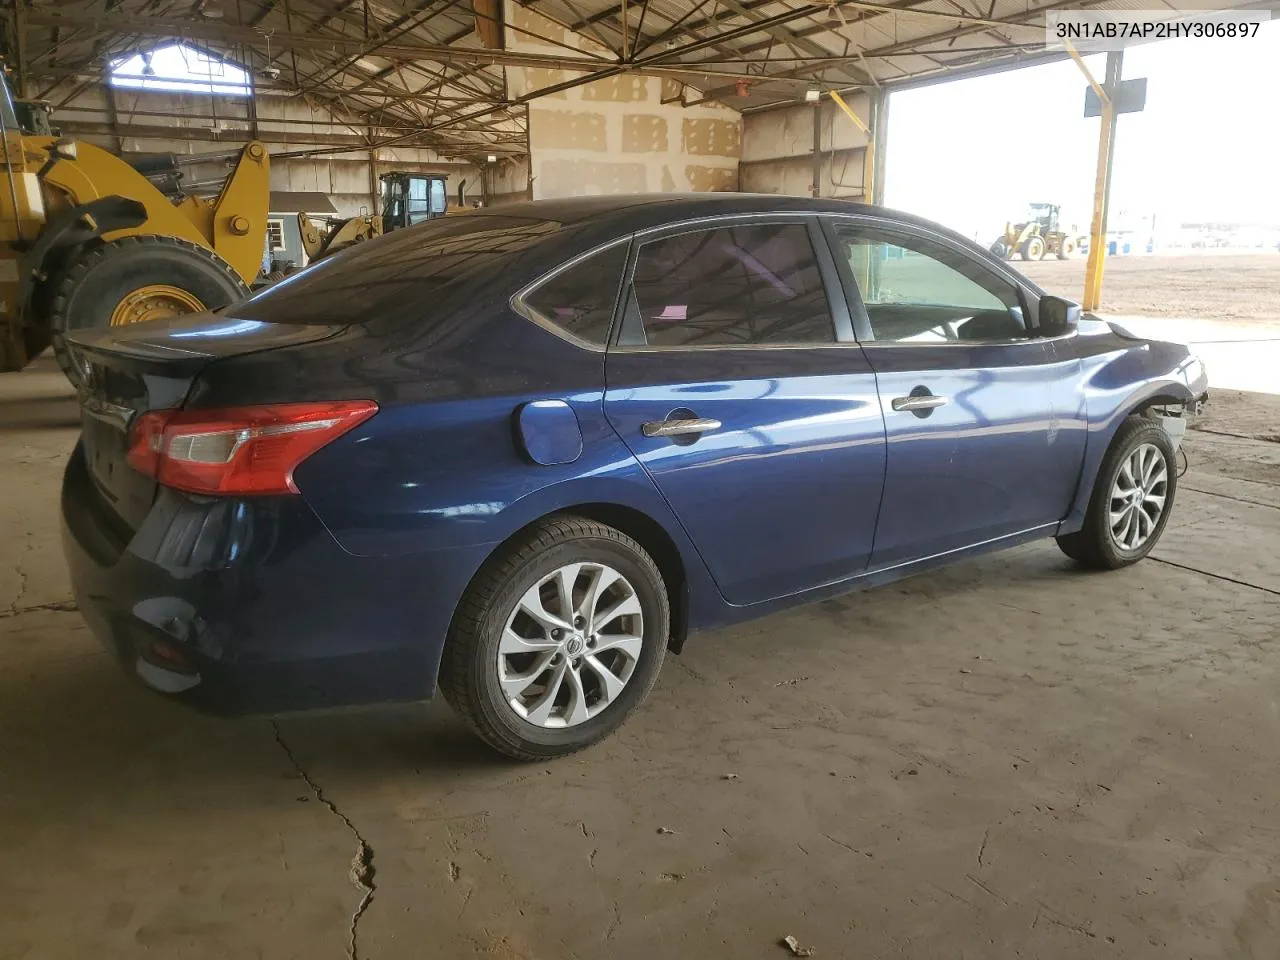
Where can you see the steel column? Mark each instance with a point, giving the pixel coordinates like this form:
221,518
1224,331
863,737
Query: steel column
816,189
1102,182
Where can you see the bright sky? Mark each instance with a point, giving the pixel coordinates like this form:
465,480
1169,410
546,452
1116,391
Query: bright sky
176,67
974,153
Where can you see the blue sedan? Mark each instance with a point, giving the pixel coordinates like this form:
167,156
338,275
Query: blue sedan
519,454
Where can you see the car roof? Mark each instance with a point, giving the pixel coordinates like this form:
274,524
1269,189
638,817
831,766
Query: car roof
641,210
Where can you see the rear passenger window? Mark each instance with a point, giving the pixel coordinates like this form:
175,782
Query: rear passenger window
580,298
746,284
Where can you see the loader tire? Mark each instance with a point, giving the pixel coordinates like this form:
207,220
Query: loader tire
134,279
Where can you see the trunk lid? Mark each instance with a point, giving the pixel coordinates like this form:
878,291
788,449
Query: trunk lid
125,372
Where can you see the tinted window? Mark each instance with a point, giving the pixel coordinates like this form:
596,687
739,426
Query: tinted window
580,299
400,270
733,285
916,290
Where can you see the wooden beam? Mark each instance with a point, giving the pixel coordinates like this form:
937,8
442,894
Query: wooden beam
489,23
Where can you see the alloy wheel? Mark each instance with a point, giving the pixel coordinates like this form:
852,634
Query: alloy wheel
1138,497
570,645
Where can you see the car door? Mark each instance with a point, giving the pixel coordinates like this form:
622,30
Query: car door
984,432
735,380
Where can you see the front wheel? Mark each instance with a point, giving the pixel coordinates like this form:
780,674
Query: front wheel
1131,500
557,639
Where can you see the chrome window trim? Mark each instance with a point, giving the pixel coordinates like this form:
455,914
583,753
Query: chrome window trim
885,344
519,304
677,227
842,344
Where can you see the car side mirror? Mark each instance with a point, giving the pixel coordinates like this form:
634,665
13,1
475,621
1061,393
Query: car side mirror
1058,316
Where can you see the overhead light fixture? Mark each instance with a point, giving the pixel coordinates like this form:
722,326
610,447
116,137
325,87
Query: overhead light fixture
813,95
492,158
270,71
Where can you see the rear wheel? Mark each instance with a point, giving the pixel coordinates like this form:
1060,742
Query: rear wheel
1000,249
1066,249
1032,248
136,279
1132,497
557,639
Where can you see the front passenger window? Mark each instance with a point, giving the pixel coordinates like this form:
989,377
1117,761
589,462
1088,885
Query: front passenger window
919,291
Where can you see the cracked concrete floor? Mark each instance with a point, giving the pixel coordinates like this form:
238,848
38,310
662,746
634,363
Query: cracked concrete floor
1007,758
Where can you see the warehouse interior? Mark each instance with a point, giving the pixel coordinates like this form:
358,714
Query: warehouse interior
1007,757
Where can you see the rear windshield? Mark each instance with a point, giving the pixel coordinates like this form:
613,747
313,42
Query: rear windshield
399,271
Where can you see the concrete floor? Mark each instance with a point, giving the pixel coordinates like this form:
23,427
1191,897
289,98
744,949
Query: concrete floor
1007,758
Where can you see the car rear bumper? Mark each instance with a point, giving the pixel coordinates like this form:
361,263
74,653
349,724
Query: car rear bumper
249,604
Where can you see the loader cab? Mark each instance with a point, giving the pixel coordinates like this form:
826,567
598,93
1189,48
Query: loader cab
33,117
409,198
1045,214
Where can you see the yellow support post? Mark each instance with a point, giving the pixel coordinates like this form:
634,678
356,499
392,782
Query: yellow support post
1098,226
1102,176
869,157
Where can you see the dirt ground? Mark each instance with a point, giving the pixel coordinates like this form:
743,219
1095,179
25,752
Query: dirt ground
1218,286
1008,758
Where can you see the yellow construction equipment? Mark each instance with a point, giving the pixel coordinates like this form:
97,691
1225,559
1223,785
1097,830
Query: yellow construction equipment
321,237
1038,236
86,240
407,198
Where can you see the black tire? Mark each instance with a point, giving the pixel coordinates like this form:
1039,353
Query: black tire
1066,249
1032,248
88,289
1093,545
468,678
999,249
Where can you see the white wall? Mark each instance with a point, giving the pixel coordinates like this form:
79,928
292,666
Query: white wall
616,135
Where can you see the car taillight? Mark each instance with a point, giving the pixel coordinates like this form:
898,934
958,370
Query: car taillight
238,450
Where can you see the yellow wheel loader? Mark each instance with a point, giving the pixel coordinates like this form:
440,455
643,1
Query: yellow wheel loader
1037,236
407,198
86,240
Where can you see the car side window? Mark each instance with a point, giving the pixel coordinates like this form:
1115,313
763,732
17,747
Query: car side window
916,290
733,285
580,298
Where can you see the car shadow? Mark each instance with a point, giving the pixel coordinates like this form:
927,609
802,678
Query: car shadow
72,716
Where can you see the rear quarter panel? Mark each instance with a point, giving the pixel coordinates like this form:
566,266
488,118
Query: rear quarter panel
441,466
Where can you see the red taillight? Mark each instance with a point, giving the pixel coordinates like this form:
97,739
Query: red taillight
235,450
